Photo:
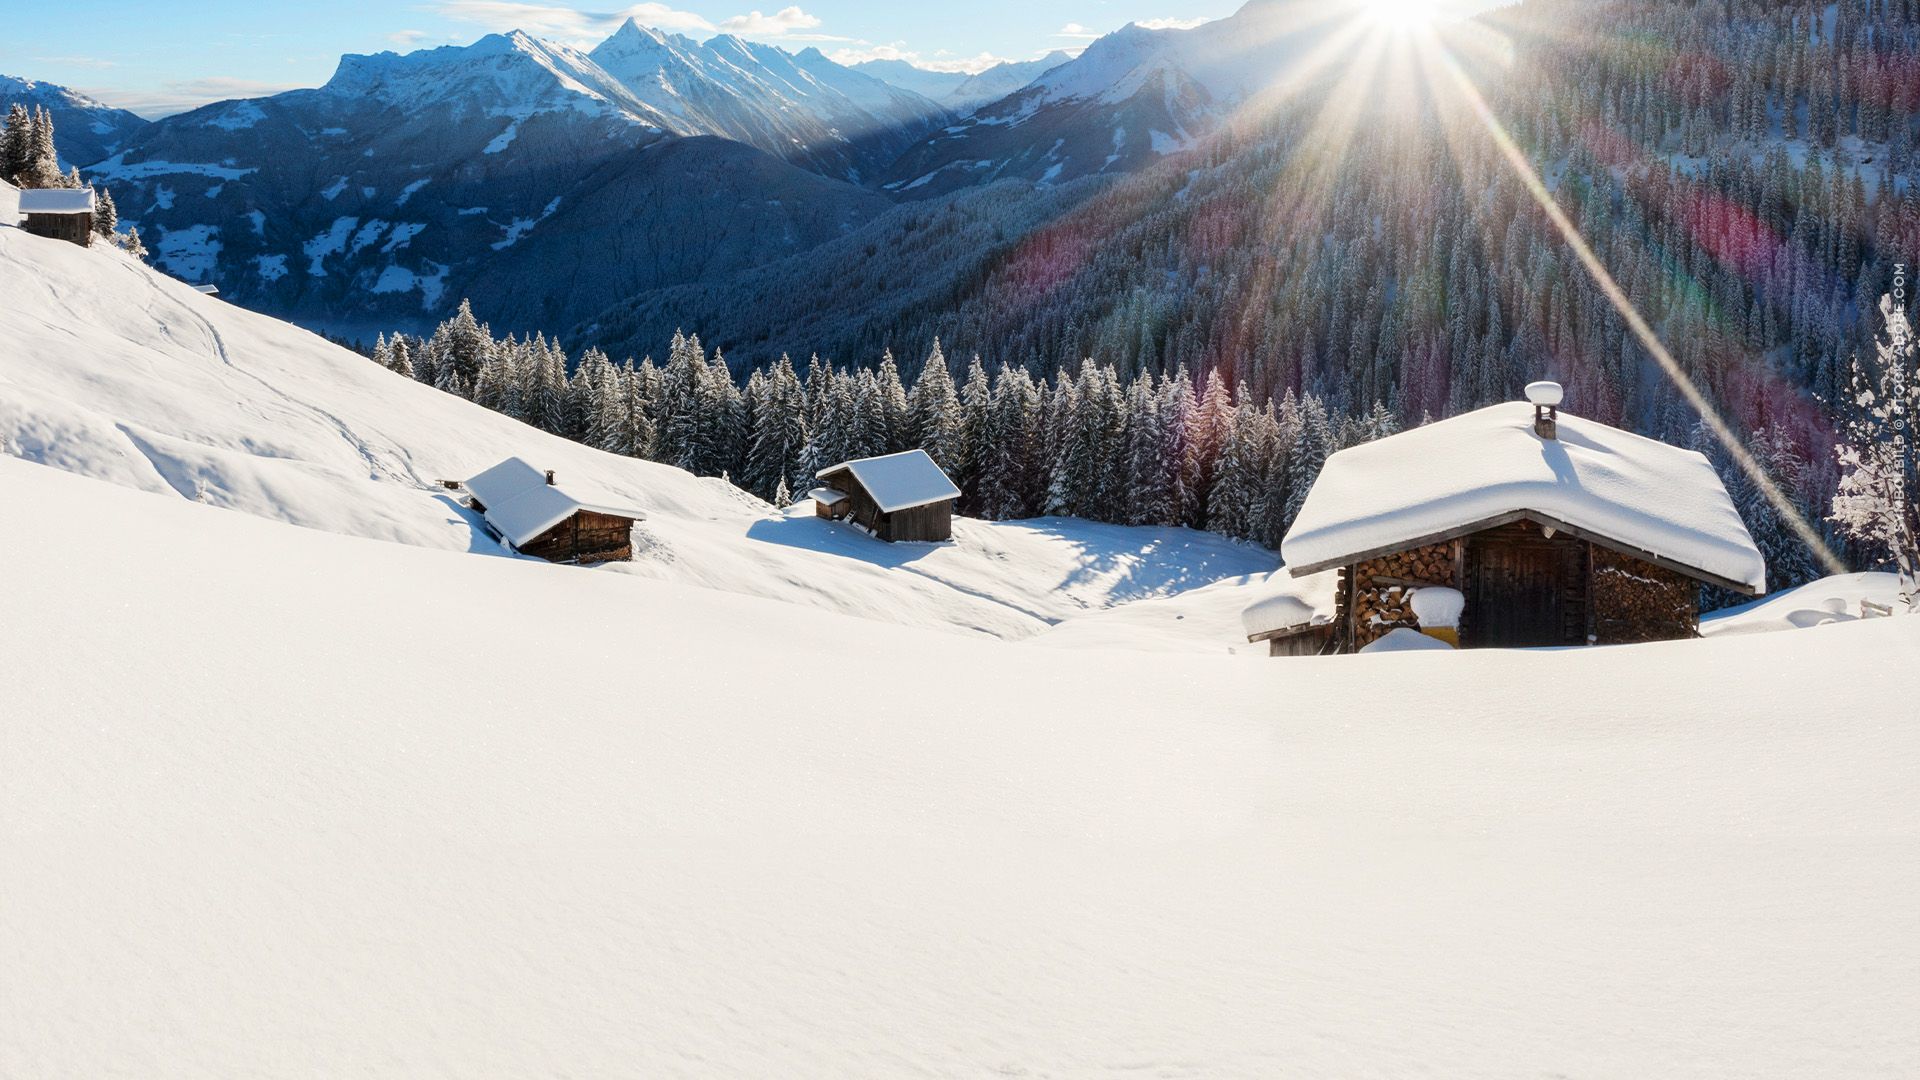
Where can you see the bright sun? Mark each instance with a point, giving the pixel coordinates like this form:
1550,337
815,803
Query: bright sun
1401,14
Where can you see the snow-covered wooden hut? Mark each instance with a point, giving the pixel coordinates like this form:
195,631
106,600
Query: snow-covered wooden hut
59,213
1550,530
534,514
894,497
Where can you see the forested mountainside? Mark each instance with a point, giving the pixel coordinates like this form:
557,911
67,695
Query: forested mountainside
1746,170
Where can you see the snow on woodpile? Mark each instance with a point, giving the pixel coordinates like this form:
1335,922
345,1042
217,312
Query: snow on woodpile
1403,639
522,505
899,481
9,203
1292,602
1438,608
1449,475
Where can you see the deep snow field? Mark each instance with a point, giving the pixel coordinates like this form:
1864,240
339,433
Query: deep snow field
777,800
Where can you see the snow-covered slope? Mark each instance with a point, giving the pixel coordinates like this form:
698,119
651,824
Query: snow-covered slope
284,803
84,130
117,372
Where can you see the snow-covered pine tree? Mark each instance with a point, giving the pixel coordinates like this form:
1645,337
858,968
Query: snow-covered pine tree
633,428
106,217
869,422
1878,502
723,419
462,344
676,440
936,411
1177,408
1149,487
1209,426
779,433
897,414
1006,484
42,166
402,362
16,142
1308,455
976,434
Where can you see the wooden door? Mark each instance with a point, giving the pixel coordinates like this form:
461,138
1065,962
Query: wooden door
1517,593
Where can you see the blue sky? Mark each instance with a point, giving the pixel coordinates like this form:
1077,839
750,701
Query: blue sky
156,58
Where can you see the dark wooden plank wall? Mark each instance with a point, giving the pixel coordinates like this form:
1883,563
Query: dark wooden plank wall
586,537
73,228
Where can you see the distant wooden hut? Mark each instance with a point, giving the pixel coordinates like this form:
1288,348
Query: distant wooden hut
59,213
1544,529
533,514
895,497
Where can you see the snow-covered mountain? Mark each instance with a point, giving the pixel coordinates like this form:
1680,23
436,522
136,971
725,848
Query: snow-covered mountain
803,107
1000,80
1132,97
405,182
85,130
958,90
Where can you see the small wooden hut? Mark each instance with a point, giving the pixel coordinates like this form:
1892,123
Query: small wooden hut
532,513
59,213
895,497
1552,530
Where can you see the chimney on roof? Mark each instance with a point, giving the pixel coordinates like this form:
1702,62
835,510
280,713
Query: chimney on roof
549,477
1546,397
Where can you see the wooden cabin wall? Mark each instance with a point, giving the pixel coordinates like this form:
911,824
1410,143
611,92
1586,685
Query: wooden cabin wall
920,523
73,228
1636,601
587,538
1380,589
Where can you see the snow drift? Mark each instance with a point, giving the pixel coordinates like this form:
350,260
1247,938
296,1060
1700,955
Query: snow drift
284,803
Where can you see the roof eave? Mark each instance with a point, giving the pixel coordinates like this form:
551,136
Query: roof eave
1549,520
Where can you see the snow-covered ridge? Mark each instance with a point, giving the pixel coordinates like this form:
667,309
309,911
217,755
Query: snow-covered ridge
117,372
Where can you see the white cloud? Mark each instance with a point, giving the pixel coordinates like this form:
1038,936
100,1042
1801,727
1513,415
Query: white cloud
177,97
76,61
1171,23
966,65
576,27
1075,30
779,24
406,39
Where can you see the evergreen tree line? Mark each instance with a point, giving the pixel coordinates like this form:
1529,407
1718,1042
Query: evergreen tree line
28,160
1090,443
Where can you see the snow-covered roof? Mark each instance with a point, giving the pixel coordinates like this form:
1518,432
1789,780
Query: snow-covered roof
898,481
1292,603
1457,476
827,496
56,201
521,505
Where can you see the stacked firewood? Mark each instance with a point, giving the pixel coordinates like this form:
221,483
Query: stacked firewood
1635,601
1382,587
